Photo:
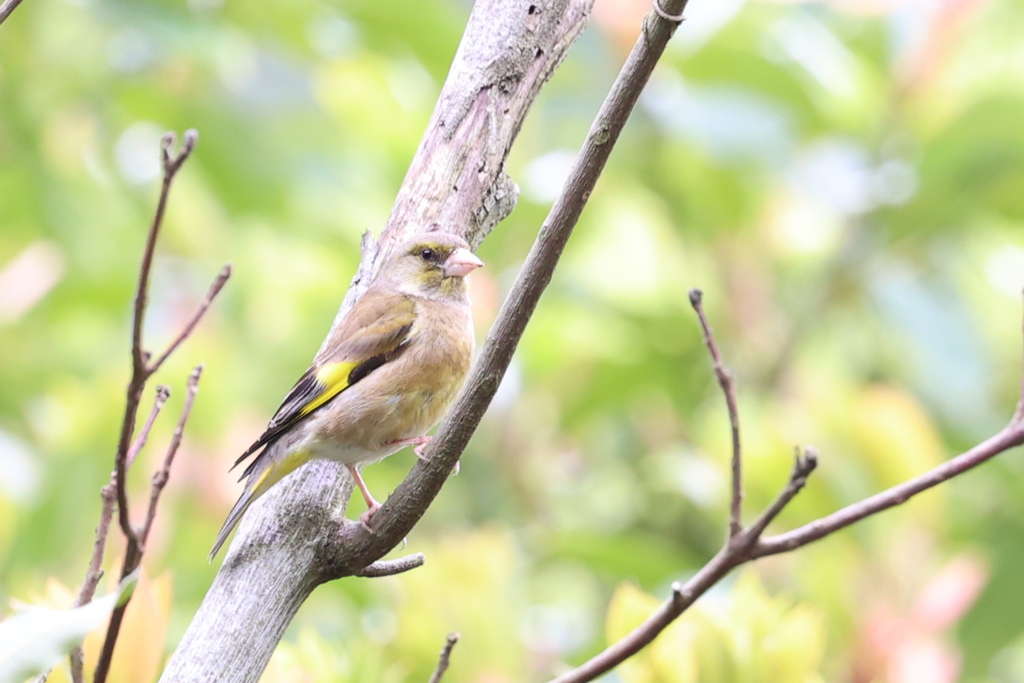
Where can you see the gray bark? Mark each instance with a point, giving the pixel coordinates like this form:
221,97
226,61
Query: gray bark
296,536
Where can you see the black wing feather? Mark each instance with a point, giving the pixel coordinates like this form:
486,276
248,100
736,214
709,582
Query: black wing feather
288,414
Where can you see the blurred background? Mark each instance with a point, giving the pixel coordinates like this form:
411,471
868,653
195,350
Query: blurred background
843,179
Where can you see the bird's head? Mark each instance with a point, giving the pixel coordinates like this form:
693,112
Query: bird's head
432,265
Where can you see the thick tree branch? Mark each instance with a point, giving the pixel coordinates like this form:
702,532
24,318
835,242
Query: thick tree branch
291,540
294,524
6,8
748,544
410,500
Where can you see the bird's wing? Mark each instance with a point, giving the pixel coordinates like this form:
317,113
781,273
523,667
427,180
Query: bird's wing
374,332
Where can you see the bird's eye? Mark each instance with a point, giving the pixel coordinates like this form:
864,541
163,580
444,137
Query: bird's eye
428,254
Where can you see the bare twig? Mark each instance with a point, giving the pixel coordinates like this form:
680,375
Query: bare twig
137,546
728,385
443,660
1010,437
392,567
6,8
161,476
681,599
140,357
109,495
748,544
95,572
803,465
162,394
186,332
129,448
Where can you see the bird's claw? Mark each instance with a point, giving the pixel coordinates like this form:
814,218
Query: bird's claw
364,518
419,454
421,450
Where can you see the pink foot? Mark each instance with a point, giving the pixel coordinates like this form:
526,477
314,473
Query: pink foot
371,504
364,518
419,441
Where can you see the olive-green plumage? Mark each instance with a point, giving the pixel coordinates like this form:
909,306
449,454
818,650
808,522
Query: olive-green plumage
387,374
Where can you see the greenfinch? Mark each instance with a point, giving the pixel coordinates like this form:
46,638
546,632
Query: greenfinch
387,374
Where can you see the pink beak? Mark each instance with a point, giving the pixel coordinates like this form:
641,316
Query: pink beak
461,263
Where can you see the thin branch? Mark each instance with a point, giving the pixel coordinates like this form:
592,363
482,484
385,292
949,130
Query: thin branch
186,332
748,544
161,476
136,547
680,600
6,8
140,358
131,409
802,468
392,567
109,494
95,572
728,385
443,660
1009,438
141,371
162,394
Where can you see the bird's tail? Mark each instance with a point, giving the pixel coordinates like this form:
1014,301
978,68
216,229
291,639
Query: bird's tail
243,503
263,473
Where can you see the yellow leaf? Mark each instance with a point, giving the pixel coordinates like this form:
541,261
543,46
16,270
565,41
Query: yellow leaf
750,636
669,659
140,643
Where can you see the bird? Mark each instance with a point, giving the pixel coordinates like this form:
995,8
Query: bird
386,375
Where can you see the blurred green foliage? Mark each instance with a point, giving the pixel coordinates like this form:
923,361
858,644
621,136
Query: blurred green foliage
842,179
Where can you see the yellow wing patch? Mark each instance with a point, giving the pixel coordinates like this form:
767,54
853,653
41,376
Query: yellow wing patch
333,377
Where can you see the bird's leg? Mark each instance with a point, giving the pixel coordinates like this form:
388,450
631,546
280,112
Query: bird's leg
371,505
420,442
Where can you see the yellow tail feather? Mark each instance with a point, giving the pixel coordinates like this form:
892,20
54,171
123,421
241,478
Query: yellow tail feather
258,484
